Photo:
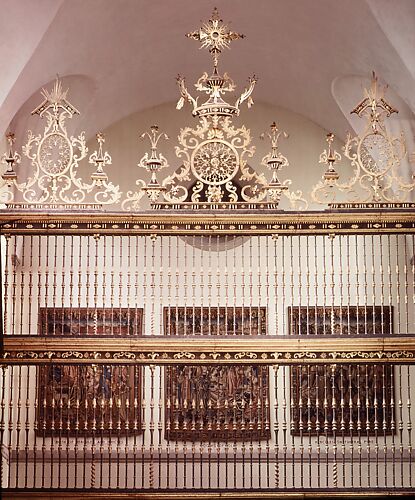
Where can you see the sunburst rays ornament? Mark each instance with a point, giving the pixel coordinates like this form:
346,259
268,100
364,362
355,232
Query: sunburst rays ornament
215,36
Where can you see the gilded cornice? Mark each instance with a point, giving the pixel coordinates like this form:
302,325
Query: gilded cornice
337,221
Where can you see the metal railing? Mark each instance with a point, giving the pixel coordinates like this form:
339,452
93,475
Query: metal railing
208,354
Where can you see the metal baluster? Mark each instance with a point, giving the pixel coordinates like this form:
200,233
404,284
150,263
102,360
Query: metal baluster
27,427
143,407
326,423
342,424
3,434
398,284
334,424
385,424
376,421
30,329
300,287
365,283
44,423
209,284
18,422
136,413
382,286
406,284
318,425
409,424
151,427
15,262
219,284
276,430
367,418
6,286
357,285
352,427
22,287
373,280
160,419
393,425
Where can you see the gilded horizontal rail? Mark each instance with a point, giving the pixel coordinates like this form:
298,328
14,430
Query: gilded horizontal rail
159,222
200,495
24,349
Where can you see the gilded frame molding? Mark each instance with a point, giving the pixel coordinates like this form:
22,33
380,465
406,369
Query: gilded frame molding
339,221
277,350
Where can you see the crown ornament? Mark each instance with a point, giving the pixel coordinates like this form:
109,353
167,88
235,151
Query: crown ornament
375,157
55,157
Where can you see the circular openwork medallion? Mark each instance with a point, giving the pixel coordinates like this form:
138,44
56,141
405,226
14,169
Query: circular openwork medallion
214,162
375,153
54,154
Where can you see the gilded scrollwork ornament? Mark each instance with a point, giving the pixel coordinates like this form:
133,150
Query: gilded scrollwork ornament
215,153
55,157
282,357
375,157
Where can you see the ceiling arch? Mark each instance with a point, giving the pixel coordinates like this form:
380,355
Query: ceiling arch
133,49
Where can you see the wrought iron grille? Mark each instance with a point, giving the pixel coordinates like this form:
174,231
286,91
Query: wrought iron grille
151,359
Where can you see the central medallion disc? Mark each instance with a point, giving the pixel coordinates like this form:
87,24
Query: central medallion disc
214,162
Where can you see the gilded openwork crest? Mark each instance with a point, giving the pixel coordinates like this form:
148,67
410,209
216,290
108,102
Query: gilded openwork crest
375,157
55,157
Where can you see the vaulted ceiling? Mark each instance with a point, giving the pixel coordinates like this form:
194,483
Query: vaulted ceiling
122,56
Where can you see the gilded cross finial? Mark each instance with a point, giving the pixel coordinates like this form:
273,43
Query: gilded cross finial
215,36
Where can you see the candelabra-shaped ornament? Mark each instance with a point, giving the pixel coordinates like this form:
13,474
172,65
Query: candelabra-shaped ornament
55,157
275,161
152,162
375,157
330,157
11,159
100,159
